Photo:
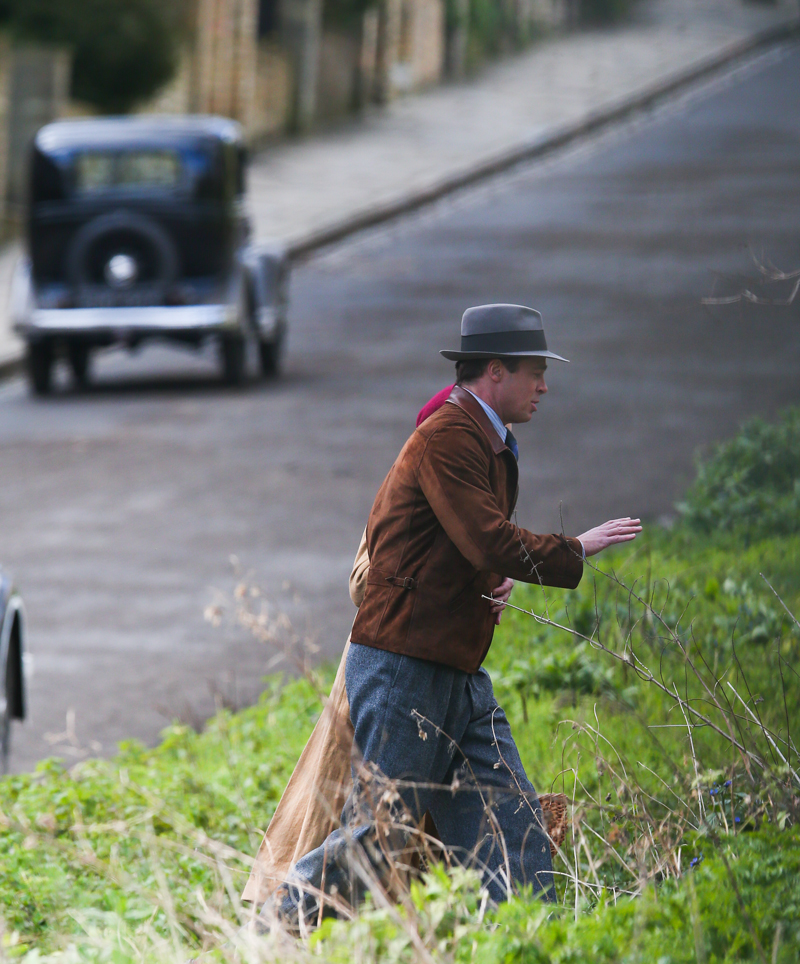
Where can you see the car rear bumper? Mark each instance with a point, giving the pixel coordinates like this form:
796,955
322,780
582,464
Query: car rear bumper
122,322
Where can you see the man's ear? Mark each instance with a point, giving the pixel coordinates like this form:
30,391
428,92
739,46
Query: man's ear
496,369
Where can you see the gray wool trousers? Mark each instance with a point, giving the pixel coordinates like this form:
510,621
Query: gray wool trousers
442,735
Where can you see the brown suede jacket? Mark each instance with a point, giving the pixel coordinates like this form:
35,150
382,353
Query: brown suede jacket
439,538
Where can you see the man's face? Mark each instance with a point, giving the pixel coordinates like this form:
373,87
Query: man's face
521,390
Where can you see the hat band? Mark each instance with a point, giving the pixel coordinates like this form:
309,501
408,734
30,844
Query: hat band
505,342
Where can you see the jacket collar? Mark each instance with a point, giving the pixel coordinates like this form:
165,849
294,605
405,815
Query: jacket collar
467,402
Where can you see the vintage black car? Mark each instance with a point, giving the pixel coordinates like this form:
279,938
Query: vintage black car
136,229
12,650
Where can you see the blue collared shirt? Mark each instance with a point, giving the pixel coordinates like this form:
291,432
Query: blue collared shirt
491,414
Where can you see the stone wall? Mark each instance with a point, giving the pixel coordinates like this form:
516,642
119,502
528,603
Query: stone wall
273,91
303,74
227,70
338,80
411,45
34,85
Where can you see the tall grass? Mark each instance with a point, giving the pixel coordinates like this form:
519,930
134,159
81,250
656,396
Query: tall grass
660,697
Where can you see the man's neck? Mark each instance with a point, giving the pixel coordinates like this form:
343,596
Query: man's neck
492,415
485,393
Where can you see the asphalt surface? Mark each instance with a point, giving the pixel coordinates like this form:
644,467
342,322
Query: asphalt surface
122,506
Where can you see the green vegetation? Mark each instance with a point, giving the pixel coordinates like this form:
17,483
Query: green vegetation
698,920
751,484
123,50
491,28
346,14
684,842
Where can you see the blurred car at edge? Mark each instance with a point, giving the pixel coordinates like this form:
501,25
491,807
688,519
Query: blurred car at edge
12,663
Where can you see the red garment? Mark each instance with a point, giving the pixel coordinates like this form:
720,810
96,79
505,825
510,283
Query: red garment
436,402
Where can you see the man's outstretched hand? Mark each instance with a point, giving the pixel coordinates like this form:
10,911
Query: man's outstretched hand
609,534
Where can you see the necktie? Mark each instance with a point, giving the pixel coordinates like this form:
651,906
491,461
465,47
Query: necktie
511,442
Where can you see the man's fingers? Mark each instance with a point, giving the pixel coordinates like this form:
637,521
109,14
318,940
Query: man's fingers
622,537
609,534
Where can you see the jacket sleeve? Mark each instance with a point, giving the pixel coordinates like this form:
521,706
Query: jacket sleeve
358,577
453,474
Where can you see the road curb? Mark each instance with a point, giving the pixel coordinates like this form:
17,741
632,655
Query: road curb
596,121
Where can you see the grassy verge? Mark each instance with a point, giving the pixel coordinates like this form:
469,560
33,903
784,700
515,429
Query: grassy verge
660,697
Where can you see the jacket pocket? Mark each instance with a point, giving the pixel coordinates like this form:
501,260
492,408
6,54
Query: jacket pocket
463,595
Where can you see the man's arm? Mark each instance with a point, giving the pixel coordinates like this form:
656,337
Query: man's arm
454,476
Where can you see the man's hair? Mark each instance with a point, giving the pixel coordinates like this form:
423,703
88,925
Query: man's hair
471,369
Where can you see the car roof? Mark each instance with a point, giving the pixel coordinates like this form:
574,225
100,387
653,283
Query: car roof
167,129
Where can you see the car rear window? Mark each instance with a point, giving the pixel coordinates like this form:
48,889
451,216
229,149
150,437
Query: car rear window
130,171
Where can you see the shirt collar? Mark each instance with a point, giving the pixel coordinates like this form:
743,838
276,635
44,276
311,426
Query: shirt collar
491,414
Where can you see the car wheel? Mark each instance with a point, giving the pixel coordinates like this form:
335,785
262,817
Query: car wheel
79,356
5,722
5,737
233,353
40,366
149,253
271,355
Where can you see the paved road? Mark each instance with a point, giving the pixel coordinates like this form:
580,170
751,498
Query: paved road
121,507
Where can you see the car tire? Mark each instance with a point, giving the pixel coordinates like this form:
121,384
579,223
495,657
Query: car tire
5,718
40,358
271,355
5,738
232,355
79,356
110,231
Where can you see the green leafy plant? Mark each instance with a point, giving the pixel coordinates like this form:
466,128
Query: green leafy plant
571,670
751,483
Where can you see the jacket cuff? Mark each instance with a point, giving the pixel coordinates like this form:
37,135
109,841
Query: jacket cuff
577,557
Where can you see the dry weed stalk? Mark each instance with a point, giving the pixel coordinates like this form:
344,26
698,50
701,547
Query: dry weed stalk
645,837
769,275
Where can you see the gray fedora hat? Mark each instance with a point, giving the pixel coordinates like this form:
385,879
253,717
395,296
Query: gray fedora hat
499,331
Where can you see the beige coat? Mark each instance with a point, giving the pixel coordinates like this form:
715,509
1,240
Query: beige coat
321,782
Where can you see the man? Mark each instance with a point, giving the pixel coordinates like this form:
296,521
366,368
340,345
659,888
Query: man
440,541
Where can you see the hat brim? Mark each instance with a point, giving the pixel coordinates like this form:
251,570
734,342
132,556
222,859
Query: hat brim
467,355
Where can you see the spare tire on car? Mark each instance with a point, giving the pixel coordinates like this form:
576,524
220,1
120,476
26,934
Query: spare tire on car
119,251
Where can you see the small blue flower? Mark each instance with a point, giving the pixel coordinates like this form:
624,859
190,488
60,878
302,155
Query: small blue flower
727,783
738,819
695,861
